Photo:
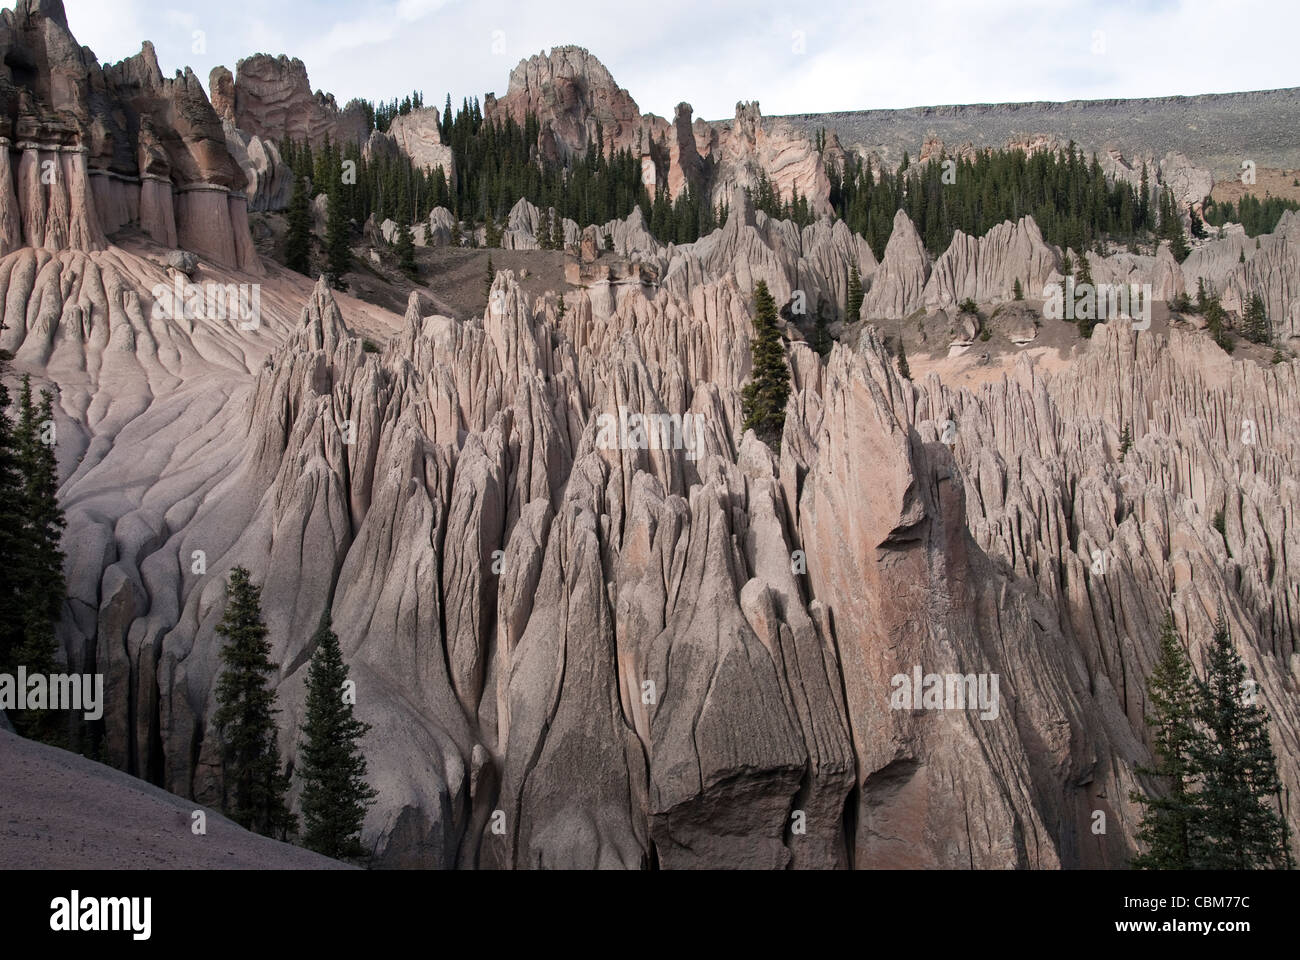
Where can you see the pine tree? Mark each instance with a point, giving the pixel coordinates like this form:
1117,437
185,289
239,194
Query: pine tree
13,548
406,250
1018,291
560,308
43,585
853,305
489,278
764,398
338,254
1235,825
1125,442
332,769
821,339
297,245
904,370
1256,327
1166,830
253,786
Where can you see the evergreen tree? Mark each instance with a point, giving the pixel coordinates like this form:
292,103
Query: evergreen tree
338,254
560,308
44,589
1166,830
489,278
253,786
1018,291
406,250
332,769
821,339
904,370
1234,821
297,245
1256,328
853,305
1125,442
13,538
764,398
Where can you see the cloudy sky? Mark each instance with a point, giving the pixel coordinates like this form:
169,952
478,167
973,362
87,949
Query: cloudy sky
792,57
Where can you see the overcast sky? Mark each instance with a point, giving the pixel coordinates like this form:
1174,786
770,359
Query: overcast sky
793,57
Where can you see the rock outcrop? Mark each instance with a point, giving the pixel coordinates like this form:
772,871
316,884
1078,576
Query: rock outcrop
748,149
271,98
898,287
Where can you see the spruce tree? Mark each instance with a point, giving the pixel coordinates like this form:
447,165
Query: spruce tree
253,786
853,304
1166,830
297,245
406,250
1235,823
13,551
489,278
41,574
338,254
335,793
1018,291
904,370
821,339
1125,442
764,398
1256,327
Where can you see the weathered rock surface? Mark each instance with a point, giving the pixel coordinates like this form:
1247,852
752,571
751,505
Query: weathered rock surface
271,98
898,287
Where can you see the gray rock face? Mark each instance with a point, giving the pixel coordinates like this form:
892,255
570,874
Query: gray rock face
578,652
898,287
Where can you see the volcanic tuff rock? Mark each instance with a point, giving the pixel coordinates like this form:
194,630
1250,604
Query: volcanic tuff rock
416,134
653,644
898,287
664,567
571,92
272,99
987,268
747,148
127,146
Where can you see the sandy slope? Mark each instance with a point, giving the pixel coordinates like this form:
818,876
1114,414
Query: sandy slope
116,821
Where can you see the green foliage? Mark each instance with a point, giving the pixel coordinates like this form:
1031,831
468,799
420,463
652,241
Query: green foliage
253,786
368,346
1216,323
1257,216
489,278
337,228
1069,197
406,250
31,555
1166,830
904,370
853,303
332,769
297,246
1214,755
1235,826
1279,357
1125,442
969,306
764,397
1018,290
1256,327
821,338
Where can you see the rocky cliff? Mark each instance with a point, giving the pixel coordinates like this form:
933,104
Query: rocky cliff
89,150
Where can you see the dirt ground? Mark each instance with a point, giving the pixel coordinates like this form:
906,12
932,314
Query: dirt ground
60,811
